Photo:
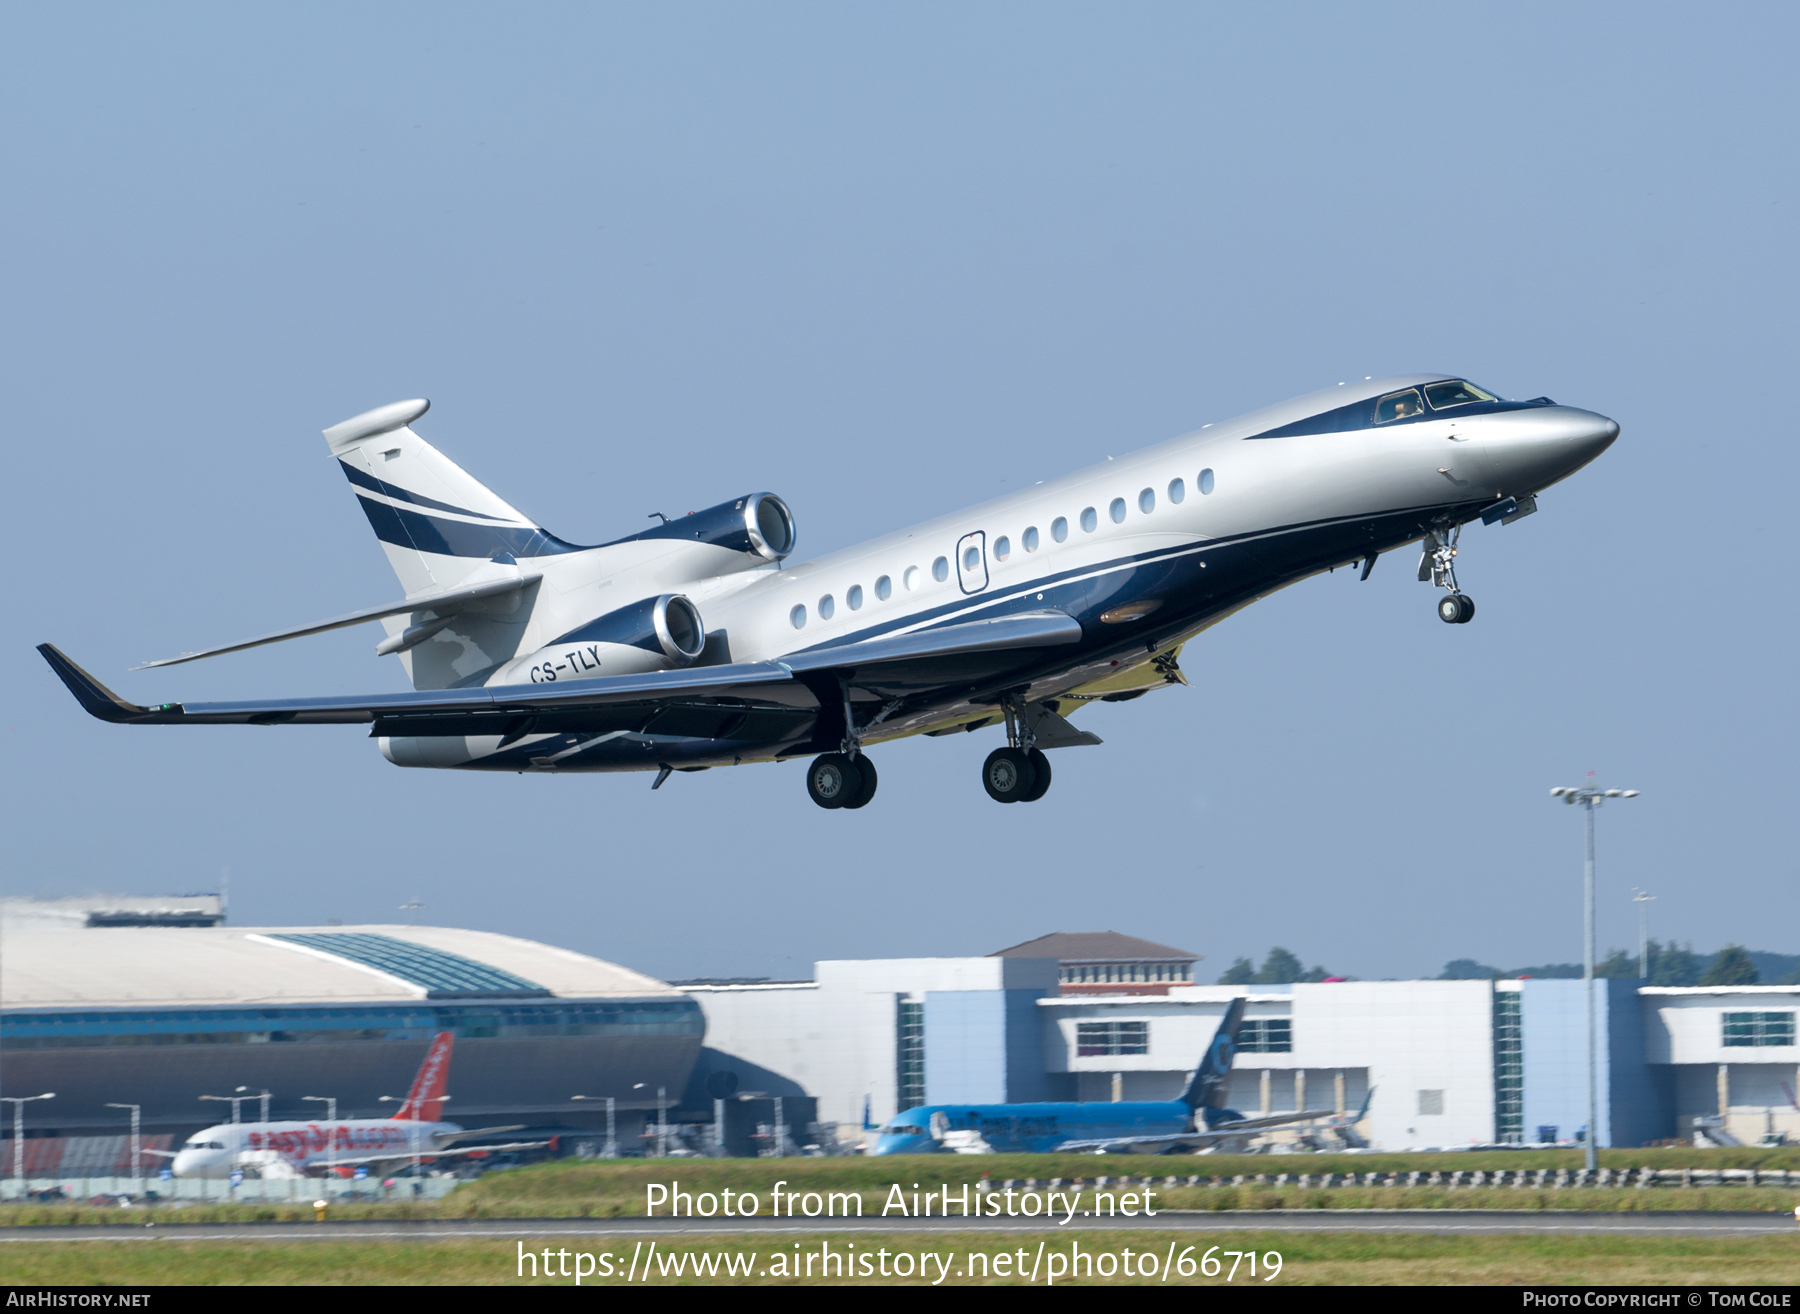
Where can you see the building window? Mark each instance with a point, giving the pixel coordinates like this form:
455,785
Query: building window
910,1029
1266,1035
1509,1070
1104,1039
1758,1029
1431,1103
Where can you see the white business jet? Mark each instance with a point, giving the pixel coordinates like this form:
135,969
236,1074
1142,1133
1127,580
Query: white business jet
698,643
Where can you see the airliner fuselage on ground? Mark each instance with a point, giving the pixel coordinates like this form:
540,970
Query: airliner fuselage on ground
1198,1120
697,643
293,1149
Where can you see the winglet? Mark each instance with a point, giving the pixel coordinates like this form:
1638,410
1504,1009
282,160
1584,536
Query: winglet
95,697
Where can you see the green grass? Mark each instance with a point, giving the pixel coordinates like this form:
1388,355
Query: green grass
590,1188
1331,1259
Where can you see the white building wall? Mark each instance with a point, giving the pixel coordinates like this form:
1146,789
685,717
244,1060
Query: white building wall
837,1036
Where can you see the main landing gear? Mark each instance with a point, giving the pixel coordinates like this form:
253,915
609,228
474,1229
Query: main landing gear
1438,564
1018,773
838,780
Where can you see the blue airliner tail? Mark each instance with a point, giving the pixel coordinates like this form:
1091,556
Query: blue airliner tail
1207,1088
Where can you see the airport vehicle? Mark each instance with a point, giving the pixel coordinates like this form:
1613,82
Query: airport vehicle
293,1149
1198,1120
697,644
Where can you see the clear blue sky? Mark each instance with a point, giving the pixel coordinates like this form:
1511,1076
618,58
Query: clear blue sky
889,260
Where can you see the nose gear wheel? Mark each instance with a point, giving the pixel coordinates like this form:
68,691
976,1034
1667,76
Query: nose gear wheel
1437,563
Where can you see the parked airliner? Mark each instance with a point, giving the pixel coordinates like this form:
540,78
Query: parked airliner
291,1149
698,643
1198,1120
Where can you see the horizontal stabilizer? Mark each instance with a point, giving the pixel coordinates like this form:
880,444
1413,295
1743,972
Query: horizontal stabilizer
448,602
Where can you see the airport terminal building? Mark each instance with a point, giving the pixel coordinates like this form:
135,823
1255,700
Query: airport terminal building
1442,1063
157,1003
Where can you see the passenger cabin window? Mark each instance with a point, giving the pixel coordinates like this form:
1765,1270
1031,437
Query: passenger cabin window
1089,521
1030,539
940,569
798,616
884,588
1002,550
1117,510
1177,491
1059,528
1206,482
911,578
1399,406
1147,501
854,597
971,558
826,607
1459,392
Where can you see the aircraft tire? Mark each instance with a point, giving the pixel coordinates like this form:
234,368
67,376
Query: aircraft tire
1450,608
1008,775
832,780
1468,609
1040,765
865,771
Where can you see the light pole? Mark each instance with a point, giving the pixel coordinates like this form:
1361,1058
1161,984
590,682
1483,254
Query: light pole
19,1102
612,1141
1590,797
137,1171
330,1103
417,1115
233,1100
261,1095
1643,900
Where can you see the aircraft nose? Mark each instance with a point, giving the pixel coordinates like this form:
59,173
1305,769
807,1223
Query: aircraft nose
1537,447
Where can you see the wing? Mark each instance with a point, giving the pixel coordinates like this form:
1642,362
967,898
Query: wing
400,1156
1224,1132
506,709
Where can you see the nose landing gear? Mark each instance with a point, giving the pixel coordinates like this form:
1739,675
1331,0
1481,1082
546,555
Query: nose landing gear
1438,564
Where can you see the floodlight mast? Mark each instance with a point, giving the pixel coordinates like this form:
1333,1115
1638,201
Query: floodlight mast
137,1170
19,1102
1590,797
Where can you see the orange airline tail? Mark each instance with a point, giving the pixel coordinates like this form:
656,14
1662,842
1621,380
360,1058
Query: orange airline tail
425,1101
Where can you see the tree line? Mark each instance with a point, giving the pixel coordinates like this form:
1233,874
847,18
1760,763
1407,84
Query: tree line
1667,965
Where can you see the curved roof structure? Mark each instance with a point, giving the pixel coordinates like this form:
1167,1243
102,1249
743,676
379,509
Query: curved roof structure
56,964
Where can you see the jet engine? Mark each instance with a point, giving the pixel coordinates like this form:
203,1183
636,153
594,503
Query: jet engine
656,634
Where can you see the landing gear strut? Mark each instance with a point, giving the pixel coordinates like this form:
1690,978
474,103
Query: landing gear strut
1438,564
846,779
1018,773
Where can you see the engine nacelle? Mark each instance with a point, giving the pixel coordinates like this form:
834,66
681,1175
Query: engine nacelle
758,525
657,634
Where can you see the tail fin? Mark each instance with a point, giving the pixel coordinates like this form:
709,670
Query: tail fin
1206,1089
424,1102
437,523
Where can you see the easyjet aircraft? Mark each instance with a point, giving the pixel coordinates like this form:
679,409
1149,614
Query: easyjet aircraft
698,643
290,1149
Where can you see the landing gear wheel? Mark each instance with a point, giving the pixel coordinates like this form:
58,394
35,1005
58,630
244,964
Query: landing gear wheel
1456,608
865,771
833,780
1008,775
1468,609
1041,766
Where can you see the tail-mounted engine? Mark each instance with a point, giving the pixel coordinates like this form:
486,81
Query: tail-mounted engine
657,634
759,526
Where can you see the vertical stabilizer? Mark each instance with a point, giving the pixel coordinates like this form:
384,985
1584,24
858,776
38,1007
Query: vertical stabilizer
437,523
424,1101
1206,1089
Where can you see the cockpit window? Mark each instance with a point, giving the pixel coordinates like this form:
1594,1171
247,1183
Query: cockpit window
902,1129
1458,392
1399,406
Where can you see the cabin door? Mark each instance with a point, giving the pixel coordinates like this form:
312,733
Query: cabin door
971,562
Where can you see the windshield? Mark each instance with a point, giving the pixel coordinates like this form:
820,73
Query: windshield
1399,406
1458,392
902,1129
